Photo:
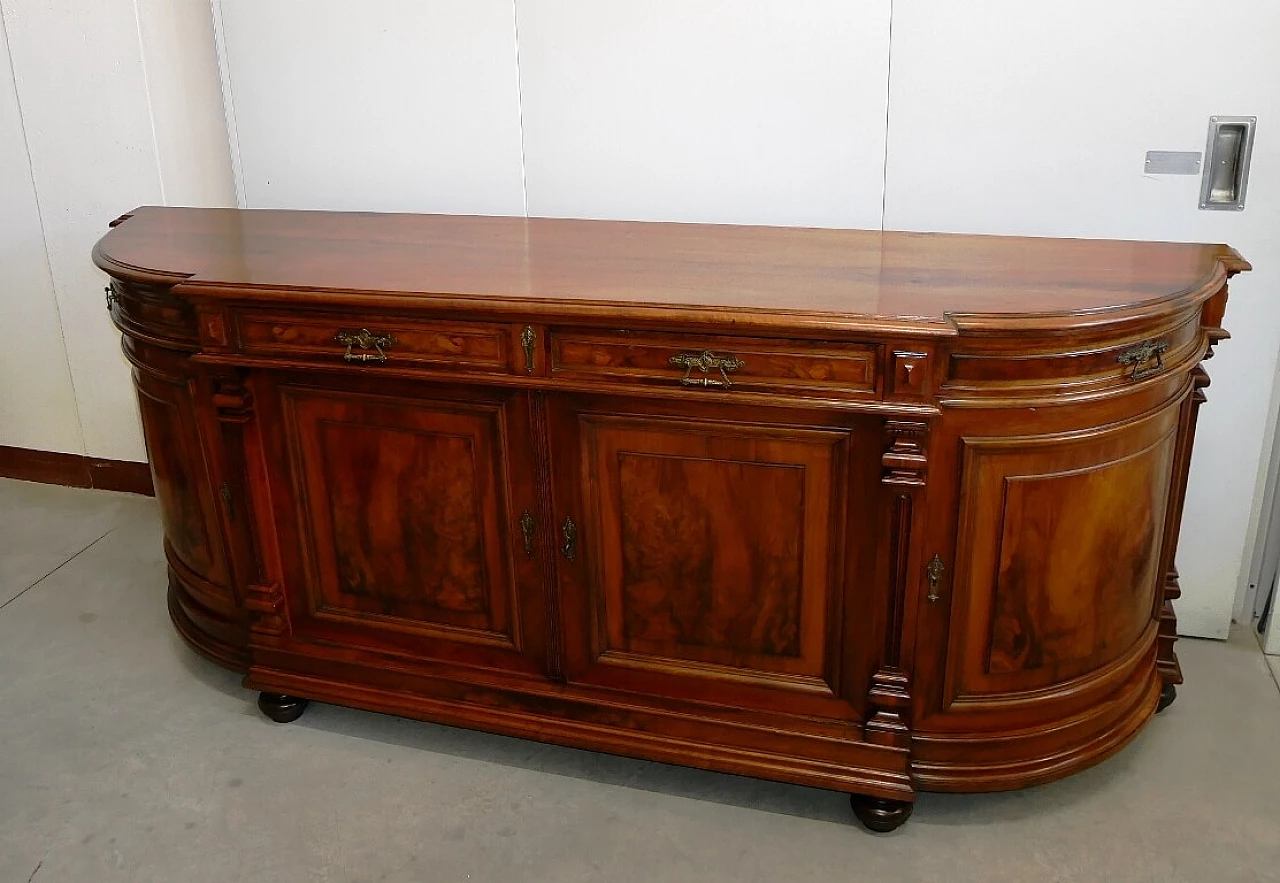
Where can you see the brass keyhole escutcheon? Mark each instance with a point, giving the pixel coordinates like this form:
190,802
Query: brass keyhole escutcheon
528,338
527,528
569,531
934,572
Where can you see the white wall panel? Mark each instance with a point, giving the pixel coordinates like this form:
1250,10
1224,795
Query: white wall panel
1034,118
390,105
79,74
120,105
37,401
185,94
742,111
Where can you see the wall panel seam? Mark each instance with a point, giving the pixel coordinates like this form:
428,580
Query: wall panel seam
888,98
228,101
524,174
151,110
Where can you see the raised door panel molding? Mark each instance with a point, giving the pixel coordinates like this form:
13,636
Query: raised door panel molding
716,555
1059,577
404,520
185,508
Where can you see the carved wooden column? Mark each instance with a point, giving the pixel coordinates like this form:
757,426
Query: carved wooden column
1166,659
904,460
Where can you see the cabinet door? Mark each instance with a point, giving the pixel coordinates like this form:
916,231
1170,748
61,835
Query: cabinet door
1057,578
710,557
399,511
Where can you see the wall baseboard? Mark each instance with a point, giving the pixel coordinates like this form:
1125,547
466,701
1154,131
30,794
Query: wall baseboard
75,470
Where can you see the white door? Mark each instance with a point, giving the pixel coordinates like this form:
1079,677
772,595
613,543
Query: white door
1034,119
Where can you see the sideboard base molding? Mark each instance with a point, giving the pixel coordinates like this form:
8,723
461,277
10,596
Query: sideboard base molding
215,638
999,763
547,719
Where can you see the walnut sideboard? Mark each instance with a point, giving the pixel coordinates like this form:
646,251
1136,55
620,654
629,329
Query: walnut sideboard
875,512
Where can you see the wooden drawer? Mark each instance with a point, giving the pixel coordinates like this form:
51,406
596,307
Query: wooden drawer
1000,365
395,342
712,362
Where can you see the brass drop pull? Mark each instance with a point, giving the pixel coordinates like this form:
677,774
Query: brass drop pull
569,531
527,339
706,362
365,340
934,571
1147,358
527,527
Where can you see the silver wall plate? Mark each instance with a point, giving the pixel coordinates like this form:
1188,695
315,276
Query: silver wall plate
1226,166
1172,162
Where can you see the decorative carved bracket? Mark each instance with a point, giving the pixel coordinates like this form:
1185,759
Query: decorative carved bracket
1199,381
890,697
266,605
232,401
905,459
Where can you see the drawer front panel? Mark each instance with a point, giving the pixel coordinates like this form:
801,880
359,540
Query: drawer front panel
471,345
732,362
1003,365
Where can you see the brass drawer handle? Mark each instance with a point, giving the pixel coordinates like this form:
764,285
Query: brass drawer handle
1142,356
706,362
365,340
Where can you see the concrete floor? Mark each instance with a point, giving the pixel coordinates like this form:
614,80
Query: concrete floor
125,757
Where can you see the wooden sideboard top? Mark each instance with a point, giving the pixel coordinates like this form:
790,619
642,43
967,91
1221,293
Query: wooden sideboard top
760,275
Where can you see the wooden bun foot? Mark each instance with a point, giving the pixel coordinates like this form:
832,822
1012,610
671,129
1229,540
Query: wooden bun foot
281,708
1167,694
878,814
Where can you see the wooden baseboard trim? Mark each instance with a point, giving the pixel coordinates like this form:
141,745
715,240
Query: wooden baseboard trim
75,470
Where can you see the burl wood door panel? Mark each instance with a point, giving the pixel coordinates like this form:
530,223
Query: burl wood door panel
713,559
1060,538
187,511
407,512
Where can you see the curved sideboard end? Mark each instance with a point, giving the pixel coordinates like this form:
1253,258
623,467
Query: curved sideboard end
1057,617
183,449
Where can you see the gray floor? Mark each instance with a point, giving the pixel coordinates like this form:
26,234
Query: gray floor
127,758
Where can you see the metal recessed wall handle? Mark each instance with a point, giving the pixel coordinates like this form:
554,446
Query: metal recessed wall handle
365,340
1226,163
